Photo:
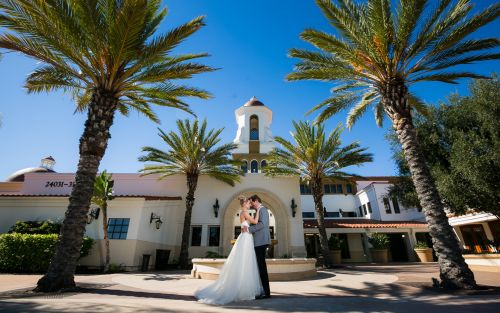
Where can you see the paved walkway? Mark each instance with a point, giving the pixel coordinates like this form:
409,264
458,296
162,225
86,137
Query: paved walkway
360,288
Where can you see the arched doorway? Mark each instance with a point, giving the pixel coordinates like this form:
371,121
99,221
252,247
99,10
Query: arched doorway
278,220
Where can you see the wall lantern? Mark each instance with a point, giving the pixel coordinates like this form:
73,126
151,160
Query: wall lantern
216,207
158,220
293,206
93,215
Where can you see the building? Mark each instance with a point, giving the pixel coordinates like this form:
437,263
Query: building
147,215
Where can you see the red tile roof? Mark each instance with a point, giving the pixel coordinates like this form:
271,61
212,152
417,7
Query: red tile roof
362,223
147,198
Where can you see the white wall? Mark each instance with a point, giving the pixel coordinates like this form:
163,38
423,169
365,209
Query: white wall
265,116
332,202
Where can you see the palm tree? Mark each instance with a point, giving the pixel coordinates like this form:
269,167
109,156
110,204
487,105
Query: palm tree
105,54
314,158
379,52
192,152
103,192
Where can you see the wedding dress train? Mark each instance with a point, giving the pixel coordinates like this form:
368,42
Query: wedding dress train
239,277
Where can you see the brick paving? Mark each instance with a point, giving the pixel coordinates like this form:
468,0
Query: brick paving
353,288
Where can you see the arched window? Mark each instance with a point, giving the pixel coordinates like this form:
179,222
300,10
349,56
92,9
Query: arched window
263,164
254,166
244,166
254,127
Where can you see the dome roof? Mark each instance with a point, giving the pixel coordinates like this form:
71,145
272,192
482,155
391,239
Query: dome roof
253,102
19,175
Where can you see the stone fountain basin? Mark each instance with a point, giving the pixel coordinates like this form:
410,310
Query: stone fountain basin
278,269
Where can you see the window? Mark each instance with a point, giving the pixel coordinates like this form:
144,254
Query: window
360,208
118,228
244,166
339,188
196,236
396,205
369,207
271,231
387,206
329,188
254,166
213,236
364,209
307,214
348,188
263,164
237,231
349,214
332,214
254,127
305,189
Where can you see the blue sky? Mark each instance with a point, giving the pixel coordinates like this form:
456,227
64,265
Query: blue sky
248,41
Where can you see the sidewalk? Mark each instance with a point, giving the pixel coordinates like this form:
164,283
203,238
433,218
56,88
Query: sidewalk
360,288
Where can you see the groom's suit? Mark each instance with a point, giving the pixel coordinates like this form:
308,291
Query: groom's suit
261,240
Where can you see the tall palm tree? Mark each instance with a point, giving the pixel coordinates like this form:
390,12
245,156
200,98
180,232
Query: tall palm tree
103,192
316,157
105,54
193,152
379,52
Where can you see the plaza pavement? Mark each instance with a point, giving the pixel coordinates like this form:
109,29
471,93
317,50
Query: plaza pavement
359,288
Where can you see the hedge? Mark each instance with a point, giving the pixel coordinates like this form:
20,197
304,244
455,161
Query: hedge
31,253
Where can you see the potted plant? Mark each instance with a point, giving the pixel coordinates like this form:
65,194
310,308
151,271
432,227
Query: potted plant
380,243
423,251
334,246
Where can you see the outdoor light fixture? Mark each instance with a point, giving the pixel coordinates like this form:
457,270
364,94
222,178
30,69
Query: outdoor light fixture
216,207
93,215
157,218
293,206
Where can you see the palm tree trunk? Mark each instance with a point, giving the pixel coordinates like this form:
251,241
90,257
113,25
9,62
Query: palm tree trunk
317,191
106,237
454,272
192,182
93,144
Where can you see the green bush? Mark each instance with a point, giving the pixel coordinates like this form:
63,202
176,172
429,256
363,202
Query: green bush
334,242
31,252
36,227
421,245
213,255
379,241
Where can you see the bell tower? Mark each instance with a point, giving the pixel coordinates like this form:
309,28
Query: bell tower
254,138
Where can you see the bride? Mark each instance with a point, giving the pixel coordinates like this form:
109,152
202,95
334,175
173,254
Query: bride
239,277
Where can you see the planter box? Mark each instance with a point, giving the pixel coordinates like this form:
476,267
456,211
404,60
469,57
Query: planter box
483,260
425,255
379,255
335,255
278,269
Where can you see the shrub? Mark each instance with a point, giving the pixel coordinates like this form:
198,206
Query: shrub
213,255
36,227
31,252
379,241
334,242
115,268
421,245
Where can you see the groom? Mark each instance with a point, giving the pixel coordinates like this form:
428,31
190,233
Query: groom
262,240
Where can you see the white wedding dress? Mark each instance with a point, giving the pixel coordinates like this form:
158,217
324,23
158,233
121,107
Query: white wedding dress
239,277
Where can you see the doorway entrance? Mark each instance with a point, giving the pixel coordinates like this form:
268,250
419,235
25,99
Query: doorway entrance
397,247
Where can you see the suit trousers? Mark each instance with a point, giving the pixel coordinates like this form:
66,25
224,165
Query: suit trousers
260,253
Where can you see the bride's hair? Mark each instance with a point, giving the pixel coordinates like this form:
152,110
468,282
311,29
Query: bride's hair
242,199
